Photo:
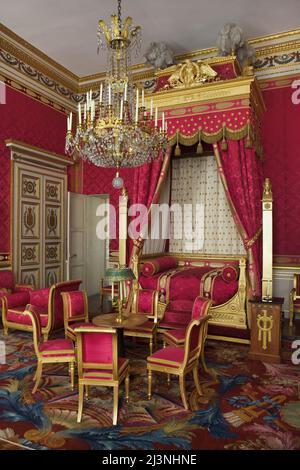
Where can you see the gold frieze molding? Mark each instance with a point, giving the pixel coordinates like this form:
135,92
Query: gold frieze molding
235,88
36,154
31,57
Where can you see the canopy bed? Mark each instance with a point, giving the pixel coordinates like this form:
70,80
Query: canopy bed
209,103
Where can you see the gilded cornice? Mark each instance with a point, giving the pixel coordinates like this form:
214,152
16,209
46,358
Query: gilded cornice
216,91
43,73
25,51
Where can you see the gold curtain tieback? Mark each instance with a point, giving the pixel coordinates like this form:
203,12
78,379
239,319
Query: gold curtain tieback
249,243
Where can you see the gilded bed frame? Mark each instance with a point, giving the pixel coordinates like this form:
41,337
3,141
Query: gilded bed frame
232,313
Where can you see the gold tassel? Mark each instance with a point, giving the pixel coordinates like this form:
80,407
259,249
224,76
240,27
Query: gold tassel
199,150
224,143
248,143
177,152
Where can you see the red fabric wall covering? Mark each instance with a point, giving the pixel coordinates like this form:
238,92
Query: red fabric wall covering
25,119
281,141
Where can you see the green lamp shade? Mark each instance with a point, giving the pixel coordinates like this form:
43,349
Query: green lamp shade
119,274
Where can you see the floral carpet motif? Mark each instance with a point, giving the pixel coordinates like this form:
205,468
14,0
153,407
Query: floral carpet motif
245,405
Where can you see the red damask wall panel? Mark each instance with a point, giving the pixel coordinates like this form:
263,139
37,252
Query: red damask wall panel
281,140
26,119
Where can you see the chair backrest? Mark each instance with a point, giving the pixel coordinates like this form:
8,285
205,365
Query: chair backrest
75,306
6,280
55,300
145,301
97,348
297,284
200,308
194,339
32,312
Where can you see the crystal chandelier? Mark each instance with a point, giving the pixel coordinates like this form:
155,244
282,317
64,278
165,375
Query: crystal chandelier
114,127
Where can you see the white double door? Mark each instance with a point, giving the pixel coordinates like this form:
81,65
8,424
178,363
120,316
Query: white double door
87,252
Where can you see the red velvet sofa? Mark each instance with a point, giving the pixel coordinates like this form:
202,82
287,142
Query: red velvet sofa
48,302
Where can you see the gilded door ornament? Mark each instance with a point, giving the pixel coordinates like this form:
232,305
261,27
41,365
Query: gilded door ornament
191,74
29,220
28,254
51,278
52,221
264,325
51,253
29,187
52,191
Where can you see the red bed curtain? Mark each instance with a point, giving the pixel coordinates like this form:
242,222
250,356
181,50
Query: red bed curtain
241,173
147,183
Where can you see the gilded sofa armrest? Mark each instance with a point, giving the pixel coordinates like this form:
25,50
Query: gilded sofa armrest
161,308
293,295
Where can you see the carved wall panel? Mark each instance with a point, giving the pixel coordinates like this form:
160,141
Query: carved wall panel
30,253
30,187
53,191
52,221
30,220
52,275
53,253
38,231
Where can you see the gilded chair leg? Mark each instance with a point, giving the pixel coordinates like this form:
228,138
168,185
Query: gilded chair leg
149,384
5,331
80,402
127,388
38,375
46,337
182,391
196,380
291,317
116,404
151,346
164,343
86,391
72,373
169,379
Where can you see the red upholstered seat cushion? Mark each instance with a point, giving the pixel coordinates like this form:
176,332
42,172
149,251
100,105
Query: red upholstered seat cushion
16,315
147,327
64,347
176,336
72,326
105,374
170,356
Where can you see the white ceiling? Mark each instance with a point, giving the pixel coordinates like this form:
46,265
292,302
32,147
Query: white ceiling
66,29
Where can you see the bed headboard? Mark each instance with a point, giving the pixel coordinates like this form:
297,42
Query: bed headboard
195,259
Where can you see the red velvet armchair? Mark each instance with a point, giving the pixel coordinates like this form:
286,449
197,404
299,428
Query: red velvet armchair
48,302
295,298
19,294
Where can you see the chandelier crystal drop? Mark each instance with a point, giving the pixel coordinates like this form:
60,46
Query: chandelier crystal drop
114,127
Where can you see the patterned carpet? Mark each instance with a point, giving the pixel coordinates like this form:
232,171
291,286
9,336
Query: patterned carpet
249,406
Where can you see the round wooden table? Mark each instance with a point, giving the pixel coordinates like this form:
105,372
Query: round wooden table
110,319
130,321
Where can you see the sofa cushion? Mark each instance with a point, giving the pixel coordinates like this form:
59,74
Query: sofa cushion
17,300
157,265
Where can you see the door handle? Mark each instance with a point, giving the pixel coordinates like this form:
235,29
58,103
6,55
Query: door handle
73,256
